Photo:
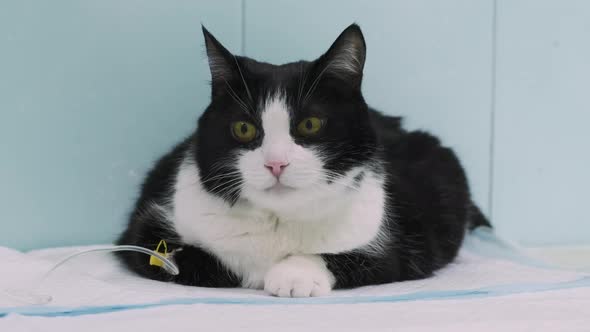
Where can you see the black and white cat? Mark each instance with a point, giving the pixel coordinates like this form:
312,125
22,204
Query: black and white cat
292,184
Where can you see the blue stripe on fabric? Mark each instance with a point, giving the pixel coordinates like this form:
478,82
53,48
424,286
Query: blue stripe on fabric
418,296
481,241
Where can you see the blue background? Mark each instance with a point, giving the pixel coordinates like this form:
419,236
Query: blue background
91,93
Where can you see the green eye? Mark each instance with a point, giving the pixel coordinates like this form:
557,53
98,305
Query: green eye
243,131
310,126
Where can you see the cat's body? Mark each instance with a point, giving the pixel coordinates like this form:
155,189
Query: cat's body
292,184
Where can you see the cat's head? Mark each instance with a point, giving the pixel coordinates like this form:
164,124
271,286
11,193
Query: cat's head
281,134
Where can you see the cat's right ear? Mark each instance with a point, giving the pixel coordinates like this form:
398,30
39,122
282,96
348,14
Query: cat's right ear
346,57
221,62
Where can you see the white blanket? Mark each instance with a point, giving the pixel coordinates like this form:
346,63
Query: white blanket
489,282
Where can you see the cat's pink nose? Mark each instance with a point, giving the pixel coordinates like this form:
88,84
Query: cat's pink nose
276,167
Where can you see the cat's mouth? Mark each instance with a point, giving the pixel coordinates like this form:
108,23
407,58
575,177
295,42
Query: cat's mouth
279,188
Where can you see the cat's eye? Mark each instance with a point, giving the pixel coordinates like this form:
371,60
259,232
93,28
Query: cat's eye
243,131
310,126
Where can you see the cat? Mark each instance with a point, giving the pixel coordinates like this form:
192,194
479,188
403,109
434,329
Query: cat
292,184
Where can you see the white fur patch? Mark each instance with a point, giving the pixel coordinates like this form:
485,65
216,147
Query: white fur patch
304,164
271,232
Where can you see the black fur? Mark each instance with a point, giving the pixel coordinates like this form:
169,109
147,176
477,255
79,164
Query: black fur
429,201
146,229
431,204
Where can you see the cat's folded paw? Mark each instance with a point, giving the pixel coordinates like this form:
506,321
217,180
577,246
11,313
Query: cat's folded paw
299,276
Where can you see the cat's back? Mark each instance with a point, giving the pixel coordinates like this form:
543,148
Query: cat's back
429,190
402,147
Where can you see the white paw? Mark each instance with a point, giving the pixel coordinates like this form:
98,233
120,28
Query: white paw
299,276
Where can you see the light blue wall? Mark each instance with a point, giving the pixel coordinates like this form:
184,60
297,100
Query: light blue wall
542,120
92,92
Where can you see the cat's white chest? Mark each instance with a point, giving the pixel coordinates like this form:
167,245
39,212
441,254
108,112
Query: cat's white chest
247,244
250,240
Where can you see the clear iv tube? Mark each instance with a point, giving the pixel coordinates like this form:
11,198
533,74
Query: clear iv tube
31,297
169,266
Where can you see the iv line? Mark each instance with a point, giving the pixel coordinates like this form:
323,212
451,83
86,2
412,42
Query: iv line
30,297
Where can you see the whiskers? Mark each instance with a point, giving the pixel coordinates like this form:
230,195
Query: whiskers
333,64
221,176
229,190
243,80
222,179
327,180
302,81
314,85
243,105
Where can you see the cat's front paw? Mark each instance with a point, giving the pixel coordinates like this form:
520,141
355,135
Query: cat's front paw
299,276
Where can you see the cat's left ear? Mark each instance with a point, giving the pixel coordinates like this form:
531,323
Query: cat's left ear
346,57
222,63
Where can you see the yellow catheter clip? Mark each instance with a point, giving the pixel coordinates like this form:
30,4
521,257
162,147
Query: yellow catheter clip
161,249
